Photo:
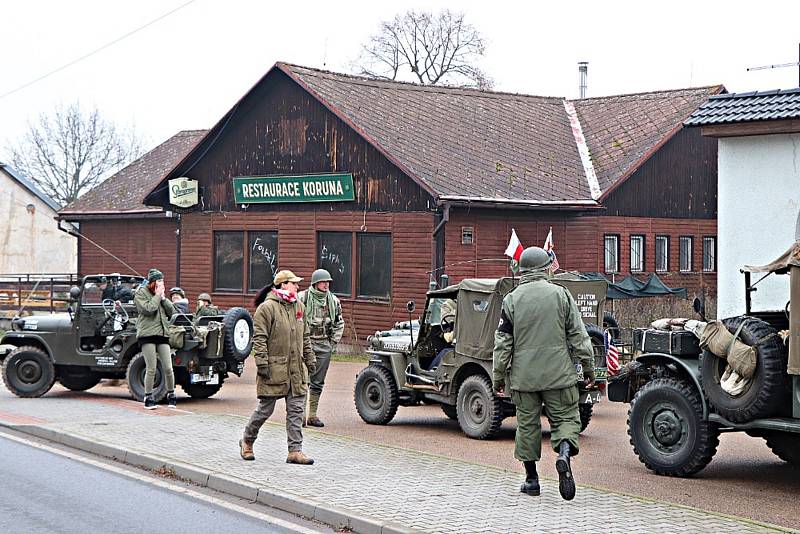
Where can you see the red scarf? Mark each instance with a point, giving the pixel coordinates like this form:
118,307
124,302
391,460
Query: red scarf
285,295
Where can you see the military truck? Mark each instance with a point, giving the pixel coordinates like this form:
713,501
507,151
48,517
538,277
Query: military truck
413,365
678,402
96,339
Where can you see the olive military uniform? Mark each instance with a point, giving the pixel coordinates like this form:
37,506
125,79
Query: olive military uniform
539,324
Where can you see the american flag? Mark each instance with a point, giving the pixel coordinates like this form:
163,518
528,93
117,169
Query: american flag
612,356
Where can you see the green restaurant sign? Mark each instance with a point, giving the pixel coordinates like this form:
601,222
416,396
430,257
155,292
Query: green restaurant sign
304,188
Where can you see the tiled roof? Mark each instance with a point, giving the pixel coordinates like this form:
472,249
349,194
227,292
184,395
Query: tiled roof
748,107
463,142
621,130
125,191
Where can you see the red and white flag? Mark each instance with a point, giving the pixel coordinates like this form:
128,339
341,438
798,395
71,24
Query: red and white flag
550,249
514,250
612,356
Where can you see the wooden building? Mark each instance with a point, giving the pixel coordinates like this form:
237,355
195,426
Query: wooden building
388,185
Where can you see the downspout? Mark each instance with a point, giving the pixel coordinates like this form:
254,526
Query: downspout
77,238
437,256
178,253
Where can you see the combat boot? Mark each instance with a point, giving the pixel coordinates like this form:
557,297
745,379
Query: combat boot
246,450
314,421
313,403
297,457
566,484
531,485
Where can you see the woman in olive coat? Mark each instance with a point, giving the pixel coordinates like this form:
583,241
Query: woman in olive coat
284,359
152,331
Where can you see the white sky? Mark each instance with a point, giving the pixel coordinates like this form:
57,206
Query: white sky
186,70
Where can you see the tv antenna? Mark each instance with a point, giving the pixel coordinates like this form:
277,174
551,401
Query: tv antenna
782,65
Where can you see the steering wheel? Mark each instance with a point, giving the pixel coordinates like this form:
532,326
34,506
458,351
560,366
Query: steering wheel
447,323
112,308
786,308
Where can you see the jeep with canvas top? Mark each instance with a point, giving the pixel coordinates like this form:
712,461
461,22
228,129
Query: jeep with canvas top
96,339
447,357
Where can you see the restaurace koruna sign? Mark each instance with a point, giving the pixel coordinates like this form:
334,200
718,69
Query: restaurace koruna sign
305,188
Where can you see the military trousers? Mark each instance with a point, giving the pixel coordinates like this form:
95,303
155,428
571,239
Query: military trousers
562,412
317,380
295,410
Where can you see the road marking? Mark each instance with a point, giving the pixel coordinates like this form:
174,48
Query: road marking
171,486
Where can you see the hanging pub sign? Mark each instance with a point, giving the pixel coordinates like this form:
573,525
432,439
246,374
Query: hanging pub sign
183,192
303,188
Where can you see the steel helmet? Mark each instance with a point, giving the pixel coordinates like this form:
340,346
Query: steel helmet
177,290
320,275
204,296
534,259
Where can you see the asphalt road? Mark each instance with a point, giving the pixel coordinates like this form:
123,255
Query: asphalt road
744,479
43,492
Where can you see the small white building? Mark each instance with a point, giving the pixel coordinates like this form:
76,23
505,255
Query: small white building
759,189
30,239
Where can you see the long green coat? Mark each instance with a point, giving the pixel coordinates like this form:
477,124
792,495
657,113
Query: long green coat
154,313
539,325
281,348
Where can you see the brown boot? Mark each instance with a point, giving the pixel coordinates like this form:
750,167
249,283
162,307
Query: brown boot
314,421
246,450
297,457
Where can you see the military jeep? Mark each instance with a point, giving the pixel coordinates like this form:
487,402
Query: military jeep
96,339
411,365
679,403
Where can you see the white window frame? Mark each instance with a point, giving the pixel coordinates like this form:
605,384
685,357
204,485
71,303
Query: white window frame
712,241
610,255
685,266
637,257
664,266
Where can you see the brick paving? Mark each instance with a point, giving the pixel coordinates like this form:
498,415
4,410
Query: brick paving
366,481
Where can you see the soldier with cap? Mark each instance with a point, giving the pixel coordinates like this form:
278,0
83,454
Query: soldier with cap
324,318
284,359
179,300
540,326
205,306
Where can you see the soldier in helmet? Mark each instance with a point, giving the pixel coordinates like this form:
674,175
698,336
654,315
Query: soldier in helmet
179,300
539,326
324,318
205,307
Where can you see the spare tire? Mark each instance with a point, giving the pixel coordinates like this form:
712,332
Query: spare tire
598,345
237,330
769,392
611,324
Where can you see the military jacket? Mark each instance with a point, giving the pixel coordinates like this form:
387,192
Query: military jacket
539,326
204,311
154,313
325,333
281,343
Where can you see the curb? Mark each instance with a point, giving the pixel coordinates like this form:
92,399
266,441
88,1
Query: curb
335,517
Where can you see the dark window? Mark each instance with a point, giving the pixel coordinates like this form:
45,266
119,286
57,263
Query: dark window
263,259
662,253
709,254
229,260
637,253
685,254
611,253
375,265
467,233
334,254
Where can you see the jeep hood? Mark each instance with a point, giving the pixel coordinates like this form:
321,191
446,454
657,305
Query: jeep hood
42,323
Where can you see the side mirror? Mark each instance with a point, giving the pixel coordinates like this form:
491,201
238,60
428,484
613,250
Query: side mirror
699,308
74,293
410,306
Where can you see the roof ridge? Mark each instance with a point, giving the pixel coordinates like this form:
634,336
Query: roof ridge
654,93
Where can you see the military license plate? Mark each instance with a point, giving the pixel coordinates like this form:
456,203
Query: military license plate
210,378
600,373
590,397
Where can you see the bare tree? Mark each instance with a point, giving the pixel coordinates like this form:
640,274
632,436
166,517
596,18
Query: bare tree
437,49
69,152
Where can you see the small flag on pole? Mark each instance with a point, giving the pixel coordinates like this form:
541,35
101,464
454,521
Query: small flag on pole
514,250
612,356
550,249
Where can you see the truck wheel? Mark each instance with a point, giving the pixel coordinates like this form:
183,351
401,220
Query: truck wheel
586,414
598,345
237,328
611,324
450,411
79,382
769,390
201,391
375,395
786,446
667,431
28,372
480,411
135,377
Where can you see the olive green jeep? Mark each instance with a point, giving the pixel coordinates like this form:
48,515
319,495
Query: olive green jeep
446,358
96,339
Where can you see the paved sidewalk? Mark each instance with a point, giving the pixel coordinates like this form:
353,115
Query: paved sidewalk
367,487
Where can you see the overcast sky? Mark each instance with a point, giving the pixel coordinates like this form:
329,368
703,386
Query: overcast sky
187,69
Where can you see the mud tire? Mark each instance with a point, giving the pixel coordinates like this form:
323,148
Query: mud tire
375,395
480,411
28,372
237,330
135,379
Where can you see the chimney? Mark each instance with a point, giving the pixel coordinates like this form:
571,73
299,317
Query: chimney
583,68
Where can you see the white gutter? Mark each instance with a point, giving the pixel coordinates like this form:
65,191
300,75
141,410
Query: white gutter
583,149
458,198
